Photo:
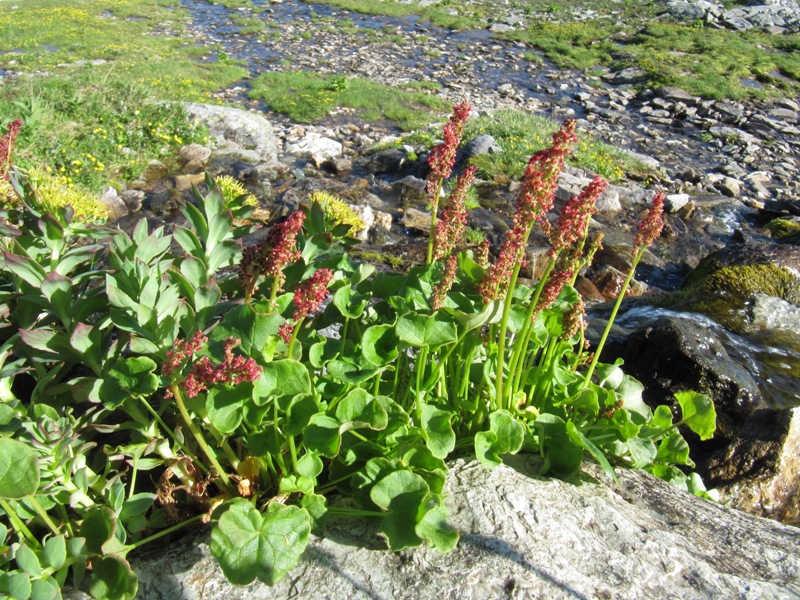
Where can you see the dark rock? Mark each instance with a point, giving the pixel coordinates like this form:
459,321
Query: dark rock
675,354
759,471
389,162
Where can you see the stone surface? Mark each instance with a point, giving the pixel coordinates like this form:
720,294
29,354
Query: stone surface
524,536
233,126
316,146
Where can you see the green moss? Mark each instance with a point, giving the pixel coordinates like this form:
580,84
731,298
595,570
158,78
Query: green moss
722,292
396,263
781,228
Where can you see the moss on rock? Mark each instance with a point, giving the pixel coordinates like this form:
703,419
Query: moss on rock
781,227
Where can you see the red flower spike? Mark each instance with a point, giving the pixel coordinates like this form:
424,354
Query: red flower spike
552,288
448,278
311,293
275,252
443,157
7,146
650,227
285,331
453,218
534,200
575,214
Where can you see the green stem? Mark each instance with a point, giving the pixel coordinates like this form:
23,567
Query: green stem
295,331
62,512
161,534
273,292
434,210
17,524
613,316
174,437
501,339
198,436
293,454
43,513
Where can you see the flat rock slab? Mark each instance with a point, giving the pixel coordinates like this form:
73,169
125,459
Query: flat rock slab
525,536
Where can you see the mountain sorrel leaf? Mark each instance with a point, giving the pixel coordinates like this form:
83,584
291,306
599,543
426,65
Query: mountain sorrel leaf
98,527
561,455
379,345
225,406
434,527
699,413
112,578
249,545
440,437
19,472
505,436
283,378
401,493
674,449
423,330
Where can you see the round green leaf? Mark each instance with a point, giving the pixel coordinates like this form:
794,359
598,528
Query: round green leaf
112,578
19,472
440,437
699,413
249,545
129,377
379,345
282,378
401,493
423,330
98,527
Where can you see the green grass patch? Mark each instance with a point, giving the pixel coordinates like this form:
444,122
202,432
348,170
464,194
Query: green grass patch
520,135
92,75
309,97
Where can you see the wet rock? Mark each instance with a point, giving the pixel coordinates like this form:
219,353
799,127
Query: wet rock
232,126
729,186
733,134
638,538
390,162
769,312
133,199
759,471
232,159
194,154
410,191
339,166
676,354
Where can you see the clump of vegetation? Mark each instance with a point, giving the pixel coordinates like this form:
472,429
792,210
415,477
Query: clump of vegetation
309,97
173,379
783,227
337,212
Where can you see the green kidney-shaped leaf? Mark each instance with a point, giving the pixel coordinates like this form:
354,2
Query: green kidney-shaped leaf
435,528
301,409
505,436
561,455
249,545
699,413
322,435
282,378
674,449
225,406
423,330
113,578
19,472
401,493
98,527
643,452
440,437
379,345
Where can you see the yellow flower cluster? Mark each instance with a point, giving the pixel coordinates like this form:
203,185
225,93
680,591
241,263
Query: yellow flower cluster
232,189
52,194
338,211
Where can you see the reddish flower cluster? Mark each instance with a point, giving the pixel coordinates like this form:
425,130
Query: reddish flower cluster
552,288
482,255
272,254
311,294
183,350
453,219
574,217
650,227
443,157
204,374
7,146
574,320
534,200
448,278
285,331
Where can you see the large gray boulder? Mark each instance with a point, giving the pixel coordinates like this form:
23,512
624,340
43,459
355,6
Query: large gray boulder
236,129
525,536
